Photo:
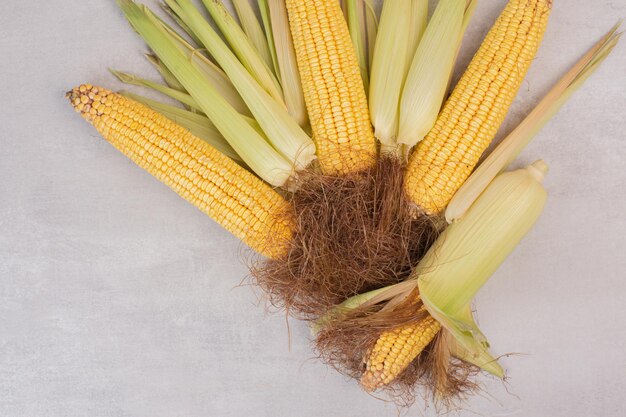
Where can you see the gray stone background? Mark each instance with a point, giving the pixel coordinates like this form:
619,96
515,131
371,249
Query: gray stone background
117,298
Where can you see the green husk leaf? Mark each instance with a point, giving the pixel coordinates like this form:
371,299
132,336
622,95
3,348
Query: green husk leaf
180,24
166,74
198,125
366,299
283,132
468,252
252,27
355,11
264,9
245,140
468,342
419,21
516,141
287,64
211,72
430,72
391,55
132,79
467,17
470,8
241,46
371,26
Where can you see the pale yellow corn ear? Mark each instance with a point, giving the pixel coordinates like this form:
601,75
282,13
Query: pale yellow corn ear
230,195
332,85
477,107
395,350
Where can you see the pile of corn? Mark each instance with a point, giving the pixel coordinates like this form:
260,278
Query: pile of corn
325,85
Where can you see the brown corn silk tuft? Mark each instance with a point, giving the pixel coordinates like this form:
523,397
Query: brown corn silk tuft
353,233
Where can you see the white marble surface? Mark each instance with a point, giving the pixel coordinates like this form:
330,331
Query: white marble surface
119,299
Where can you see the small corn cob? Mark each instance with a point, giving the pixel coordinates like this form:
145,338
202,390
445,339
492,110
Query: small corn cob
332,85
395,349
232,196
477,107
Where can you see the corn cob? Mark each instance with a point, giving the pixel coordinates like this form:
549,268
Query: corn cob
464,129
232,196
478,105
395,349
332,85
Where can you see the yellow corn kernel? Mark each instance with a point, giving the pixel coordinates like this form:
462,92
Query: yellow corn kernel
332,85
477,107
229,194
395,350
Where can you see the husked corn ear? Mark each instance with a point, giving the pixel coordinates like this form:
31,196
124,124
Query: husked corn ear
395,350
478,105
332,85
230,195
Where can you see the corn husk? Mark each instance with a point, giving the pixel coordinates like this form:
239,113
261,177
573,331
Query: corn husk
419,21
180,24
251,146
182,97
391,55
359,17
165,73
468,252
516,141
239,43
209,70
282,130
264,10
252,27
430,71
287,64
371,28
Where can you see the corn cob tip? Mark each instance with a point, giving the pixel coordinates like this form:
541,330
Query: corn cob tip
84,98
371,380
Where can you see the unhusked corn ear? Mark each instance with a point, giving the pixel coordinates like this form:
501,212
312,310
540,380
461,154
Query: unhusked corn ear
395,350
230,195
332,86
477,107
